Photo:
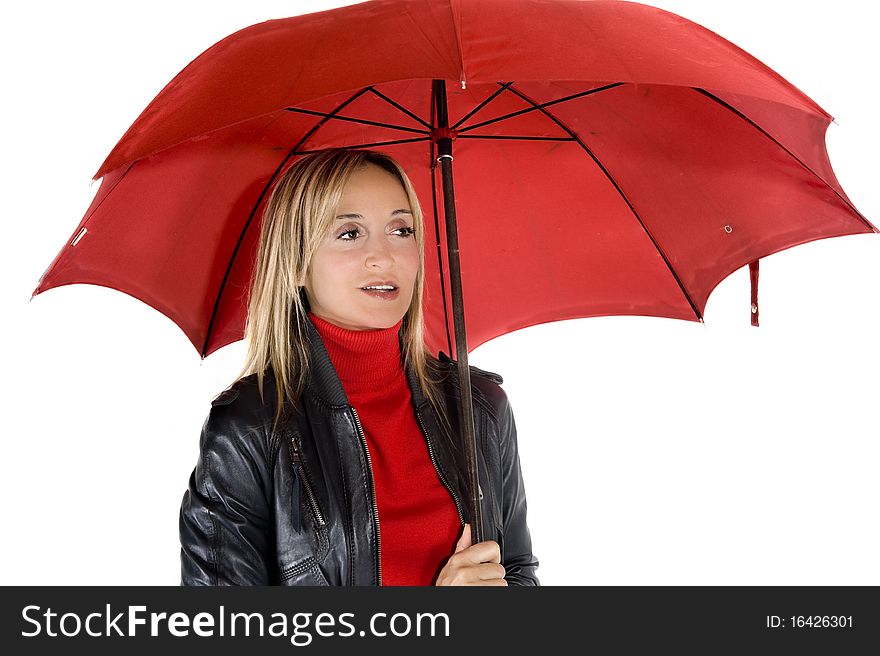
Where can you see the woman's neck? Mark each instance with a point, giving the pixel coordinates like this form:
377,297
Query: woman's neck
363,359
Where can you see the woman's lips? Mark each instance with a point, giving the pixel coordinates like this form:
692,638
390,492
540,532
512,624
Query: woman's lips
385,296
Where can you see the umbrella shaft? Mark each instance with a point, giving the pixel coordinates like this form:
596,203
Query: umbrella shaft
444,147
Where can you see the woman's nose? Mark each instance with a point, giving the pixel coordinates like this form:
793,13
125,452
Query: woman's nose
378,252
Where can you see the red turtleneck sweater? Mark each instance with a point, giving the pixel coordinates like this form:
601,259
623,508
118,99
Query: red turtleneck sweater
418,521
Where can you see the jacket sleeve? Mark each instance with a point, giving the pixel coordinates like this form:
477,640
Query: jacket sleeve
225,514
519,562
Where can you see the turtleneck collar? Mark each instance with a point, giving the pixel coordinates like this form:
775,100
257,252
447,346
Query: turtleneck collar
363,359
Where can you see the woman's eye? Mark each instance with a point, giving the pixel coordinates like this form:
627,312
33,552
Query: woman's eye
406,230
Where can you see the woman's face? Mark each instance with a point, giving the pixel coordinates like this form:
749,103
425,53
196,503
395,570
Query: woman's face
369,243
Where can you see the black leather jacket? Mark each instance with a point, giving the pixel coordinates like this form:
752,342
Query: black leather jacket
296,507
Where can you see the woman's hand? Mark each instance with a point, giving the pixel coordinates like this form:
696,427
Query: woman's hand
478,564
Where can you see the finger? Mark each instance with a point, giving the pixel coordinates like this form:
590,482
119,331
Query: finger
487,551
489,571
465,540
500,582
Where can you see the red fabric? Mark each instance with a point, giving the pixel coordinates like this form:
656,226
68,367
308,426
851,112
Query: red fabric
418,521
687,160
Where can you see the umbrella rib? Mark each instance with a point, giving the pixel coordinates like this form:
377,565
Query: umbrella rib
353,120
400,107
536,106
619,190
774,140
494,95
504,136
370,145
247,224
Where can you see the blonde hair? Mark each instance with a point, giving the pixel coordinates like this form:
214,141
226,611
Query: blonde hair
299,213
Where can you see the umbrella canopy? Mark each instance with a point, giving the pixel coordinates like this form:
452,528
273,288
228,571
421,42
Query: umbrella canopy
610,158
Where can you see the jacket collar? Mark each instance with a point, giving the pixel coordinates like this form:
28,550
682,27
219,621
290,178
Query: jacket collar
323,381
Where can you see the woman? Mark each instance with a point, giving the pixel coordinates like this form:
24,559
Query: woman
349,470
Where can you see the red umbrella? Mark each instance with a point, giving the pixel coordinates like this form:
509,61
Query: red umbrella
610,158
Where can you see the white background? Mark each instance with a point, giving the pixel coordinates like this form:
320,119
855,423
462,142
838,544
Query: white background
654,451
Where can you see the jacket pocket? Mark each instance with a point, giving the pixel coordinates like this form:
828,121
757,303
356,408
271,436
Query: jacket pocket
305,572
303,481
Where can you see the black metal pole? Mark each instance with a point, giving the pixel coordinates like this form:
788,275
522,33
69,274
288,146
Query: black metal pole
444,157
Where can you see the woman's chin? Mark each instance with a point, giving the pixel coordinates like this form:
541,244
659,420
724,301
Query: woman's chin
380,314
382,323
374,320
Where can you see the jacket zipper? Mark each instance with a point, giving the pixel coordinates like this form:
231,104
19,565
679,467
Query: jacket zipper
299,463
373,485
440,473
